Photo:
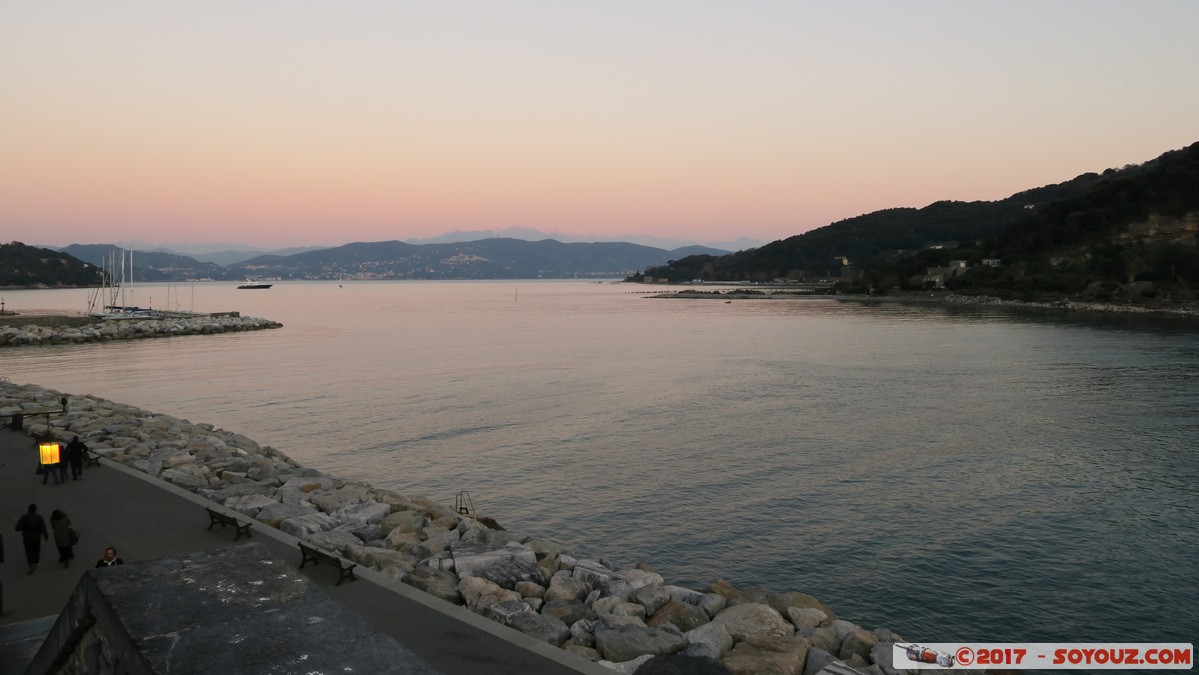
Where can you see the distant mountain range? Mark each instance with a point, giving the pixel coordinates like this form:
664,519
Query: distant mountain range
230,254
502,258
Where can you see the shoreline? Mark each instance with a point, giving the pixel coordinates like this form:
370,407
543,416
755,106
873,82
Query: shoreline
1059,305
618,616
1190,311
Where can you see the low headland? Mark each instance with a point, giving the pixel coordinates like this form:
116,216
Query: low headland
38,329
615,614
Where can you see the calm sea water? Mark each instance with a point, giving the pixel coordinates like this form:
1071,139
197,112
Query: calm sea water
952,474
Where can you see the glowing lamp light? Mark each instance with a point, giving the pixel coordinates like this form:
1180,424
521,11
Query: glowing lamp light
48,449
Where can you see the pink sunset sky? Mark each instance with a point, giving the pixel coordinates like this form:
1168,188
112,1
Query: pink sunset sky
279,123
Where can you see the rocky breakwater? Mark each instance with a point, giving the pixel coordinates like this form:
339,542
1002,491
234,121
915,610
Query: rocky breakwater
104,330
619,615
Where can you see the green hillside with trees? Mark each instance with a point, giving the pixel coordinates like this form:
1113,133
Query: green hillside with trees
1125,234
24,266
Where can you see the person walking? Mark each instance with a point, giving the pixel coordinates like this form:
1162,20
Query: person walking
110,558
33,530
62,470
51,471
76,451
60,523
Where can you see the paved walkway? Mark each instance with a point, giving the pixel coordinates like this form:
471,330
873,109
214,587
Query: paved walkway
145,518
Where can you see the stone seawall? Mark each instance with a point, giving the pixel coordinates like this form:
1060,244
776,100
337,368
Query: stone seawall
617,614
54,330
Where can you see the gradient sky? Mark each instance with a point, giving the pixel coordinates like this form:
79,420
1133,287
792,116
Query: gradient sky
294,122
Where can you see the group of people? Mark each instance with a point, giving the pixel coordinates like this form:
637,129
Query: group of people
32,527
76,452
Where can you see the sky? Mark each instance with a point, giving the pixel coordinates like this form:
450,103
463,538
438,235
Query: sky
277,123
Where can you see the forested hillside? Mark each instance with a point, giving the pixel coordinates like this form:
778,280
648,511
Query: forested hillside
28,266
1094,235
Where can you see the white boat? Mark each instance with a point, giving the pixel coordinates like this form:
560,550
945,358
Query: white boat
254,285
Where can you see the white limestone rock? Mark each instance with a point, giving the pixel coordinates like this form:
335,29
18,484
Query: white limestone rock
296,490
338,541
362,512
275,514
303,527
378,558
330,500
503,565
250,504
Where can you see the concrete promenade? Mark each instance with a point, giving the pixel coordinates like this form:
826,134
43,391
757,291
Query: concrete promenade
145,518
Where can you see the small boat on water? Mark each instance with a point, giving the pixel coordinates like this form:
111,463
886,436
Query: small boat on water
254,285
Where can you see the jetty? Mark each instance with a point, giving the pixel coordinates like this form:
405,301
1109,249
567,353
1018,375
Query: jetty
454,589
48,329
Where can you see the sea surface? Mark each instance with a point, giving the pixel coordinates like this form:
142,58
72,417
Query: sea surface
949,473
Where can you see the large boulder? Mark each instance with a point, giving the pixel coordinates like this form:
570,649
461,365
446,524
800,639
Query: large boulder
685,617
569,612
405,521
711,640
439,583
362,512
186,477
250,505
275,514
378,558
437,539
563,587
479,593
628,641
767,655
859,642
331,500
545,628
652,598
817,660
303,527
805,617
753,620
297,489
338,541
781,602
503,565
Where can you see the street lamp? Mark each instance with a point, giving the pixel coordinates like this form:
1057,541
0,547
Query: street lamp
48,449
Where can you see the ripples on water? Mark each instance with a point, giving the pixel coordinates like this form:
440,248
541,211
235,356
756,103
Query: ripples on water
950,473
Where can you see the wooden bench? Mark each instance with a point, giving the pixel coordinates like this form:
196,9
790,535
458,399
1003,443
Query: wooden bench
315,555
91,459
218,518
